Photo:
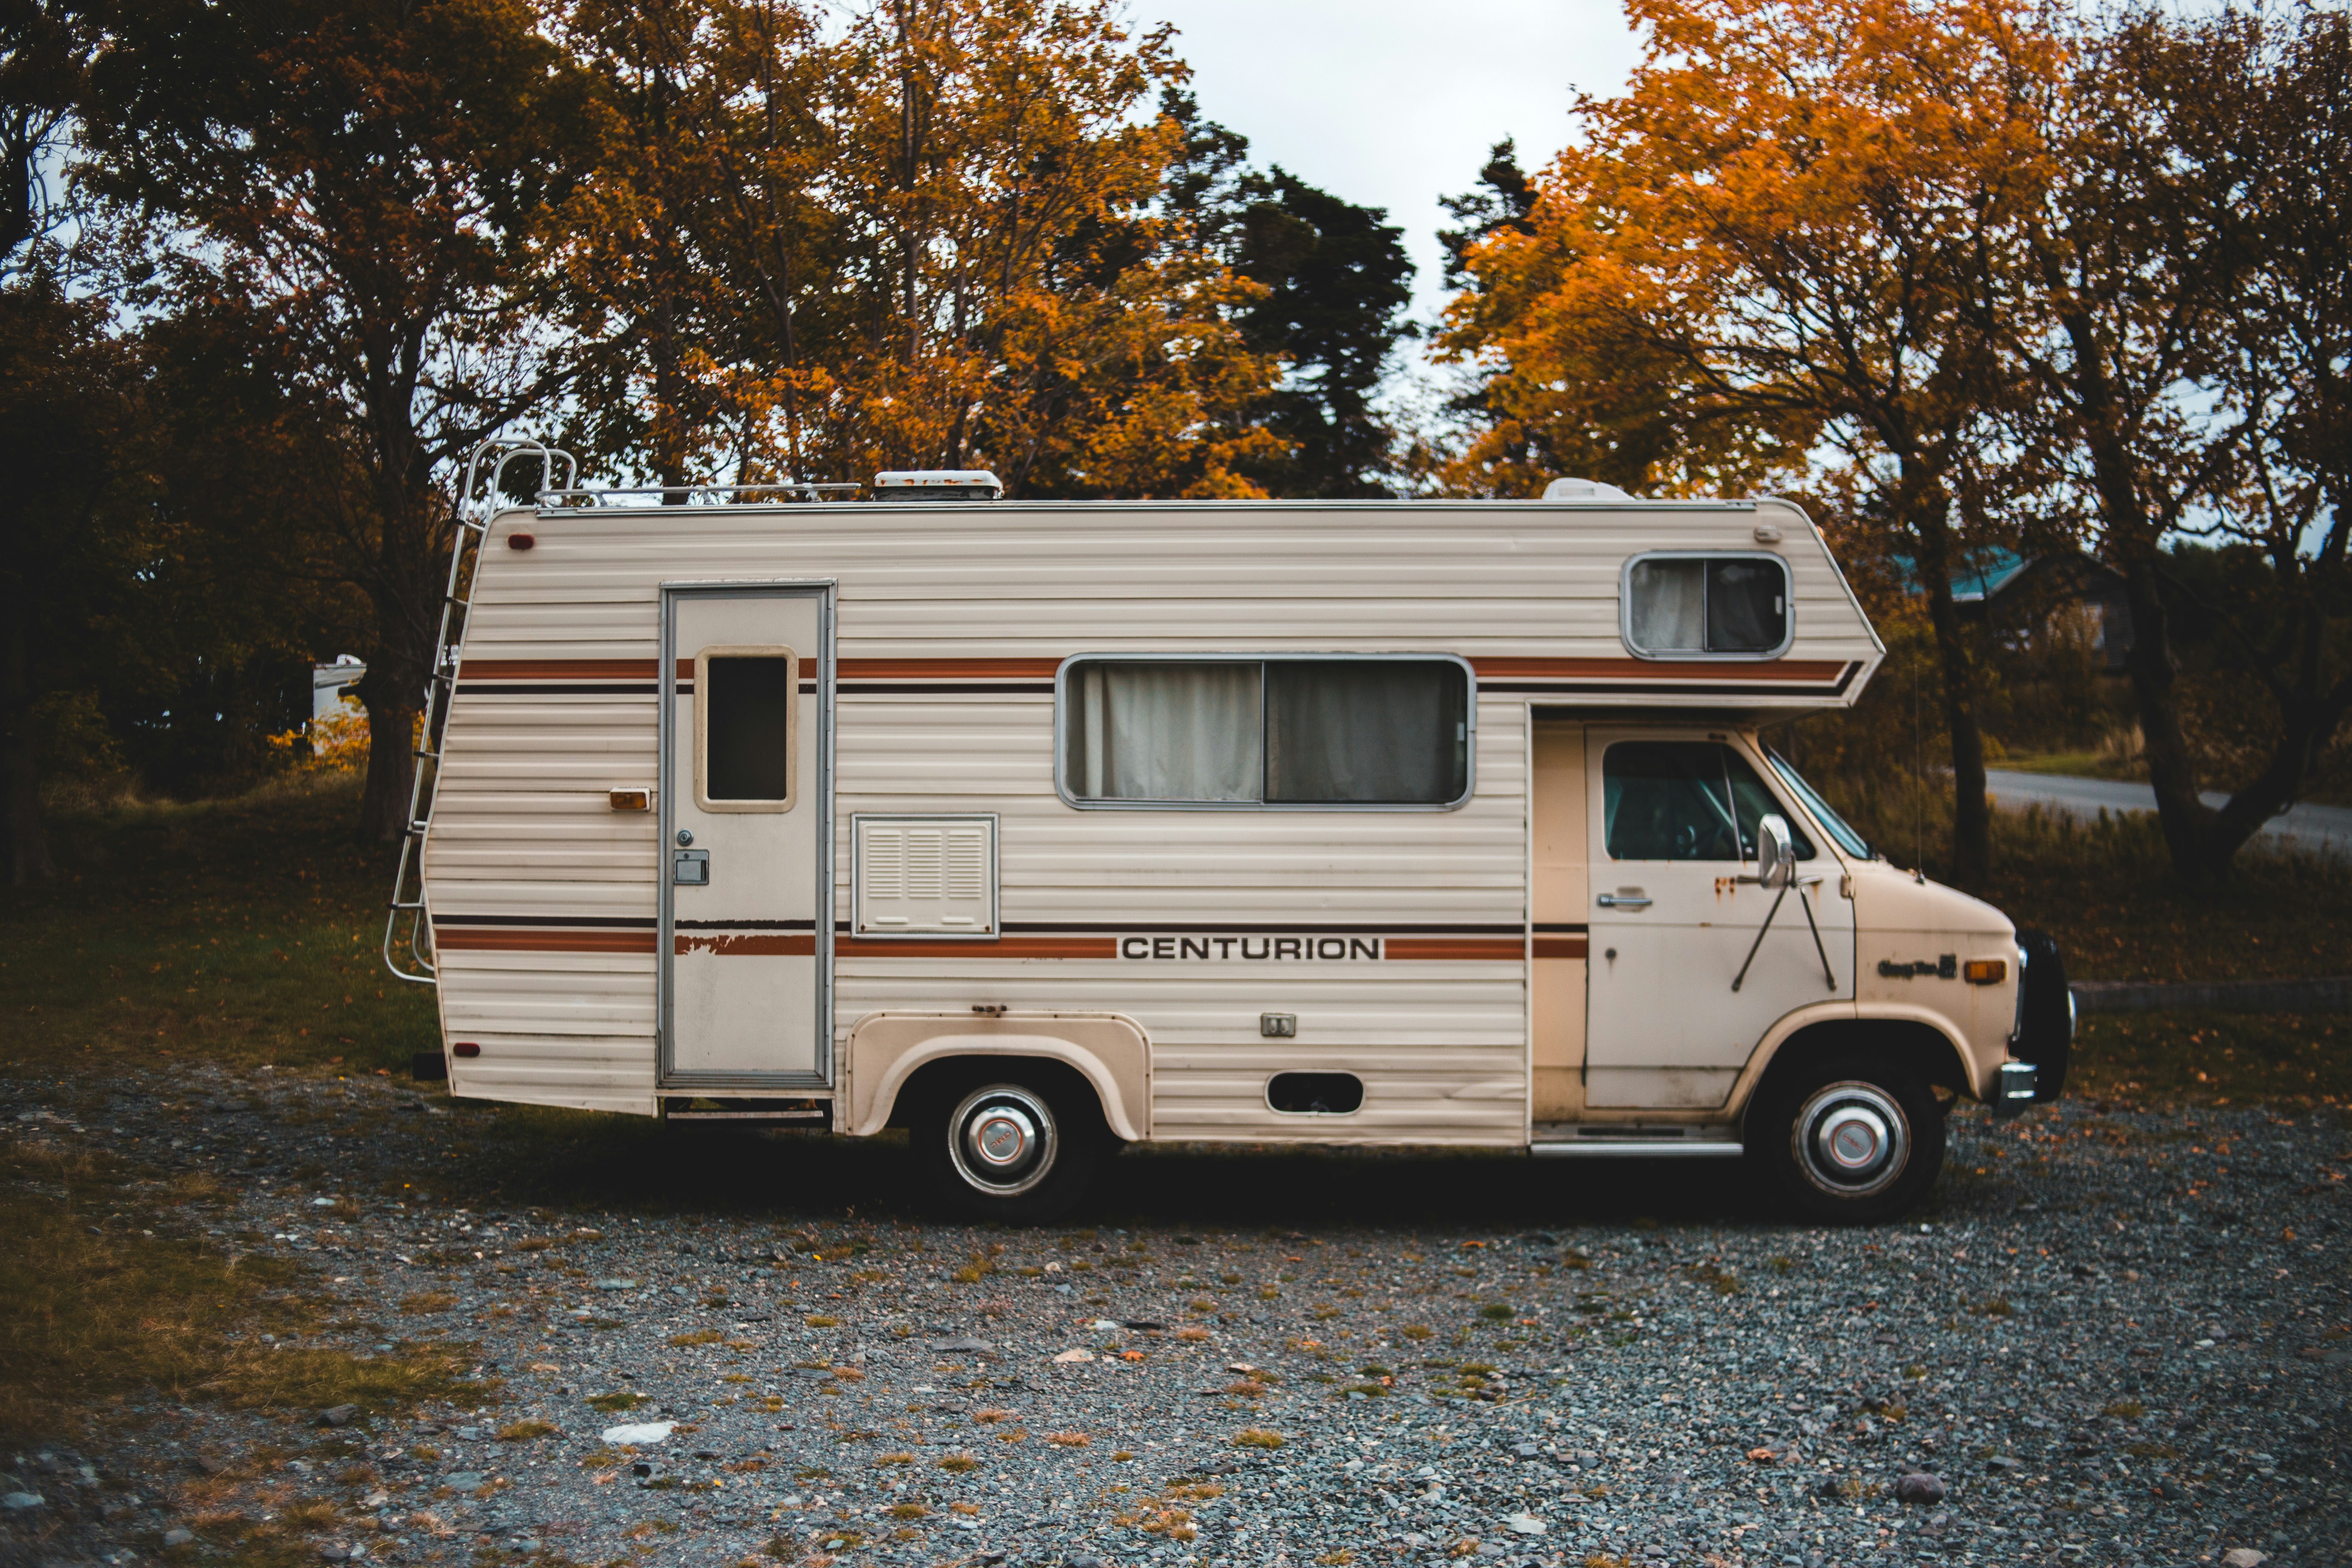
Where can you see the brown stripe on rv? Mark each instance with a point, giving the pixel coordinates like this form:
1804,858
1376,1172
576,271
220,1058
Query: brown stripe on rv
584,670
543,940
1560,946
949,668
1452,947
762,945
1656,669
1007,947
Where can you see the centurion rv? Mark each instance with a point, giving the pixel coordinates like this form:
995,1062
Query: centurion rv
1038,828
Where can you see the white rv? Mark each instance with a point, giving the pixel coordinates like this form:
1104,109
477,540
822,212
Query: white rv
1039,828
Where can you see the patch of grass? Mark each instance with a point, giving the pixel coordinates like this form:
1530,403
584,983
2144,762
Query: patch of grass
1068,1439
819,1320
94,1309
1416,1330
618,1401
699,1337
959,1463
2207,1059
524,1431
1257,1437
1498,1311
426,1302
241,931
2125,1409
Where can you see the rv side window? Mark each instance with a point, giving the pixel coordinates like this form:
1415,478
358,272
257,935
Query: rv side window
1368,732
1677,605
1685,800
747,701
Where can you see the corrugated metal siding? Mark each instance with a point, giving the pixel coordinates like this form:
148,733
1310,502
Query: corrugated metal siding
521,827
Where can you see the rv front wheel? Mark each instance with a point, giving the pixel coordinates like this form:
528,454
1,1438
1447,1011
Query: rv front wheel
1020,1153
1855,1141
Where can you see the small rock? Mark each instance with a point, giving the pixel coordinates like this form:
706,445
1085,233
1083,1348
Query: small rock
464,1480
335,1553
958,1347
338,1414
1526,1450
1524,1524
17,1503
1102,1323
616,1284
1919,1487
644,1432
2244,1557
2003,1462
1071,1356
179,1535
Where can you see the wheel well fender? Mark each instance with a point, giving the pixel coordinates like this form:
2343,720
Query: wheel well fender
895,1059
1913,1044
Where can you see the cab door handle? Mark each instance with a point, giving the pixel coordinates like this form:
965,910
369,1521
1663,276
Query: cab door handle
1633,901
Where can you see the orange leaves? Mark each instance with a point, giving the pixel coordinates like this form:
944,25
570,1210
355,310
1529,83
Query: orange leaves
1786,227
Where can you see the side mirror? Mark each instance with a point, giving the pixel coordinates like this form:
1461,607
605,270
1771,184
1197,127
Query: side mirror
1776,865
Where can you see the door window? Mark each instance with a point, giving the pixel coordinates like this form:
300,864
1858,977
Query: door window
747,703
1685,800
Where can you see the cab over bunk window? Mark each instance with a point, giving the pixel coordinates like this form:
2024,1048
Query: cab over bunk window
1365,732
1679,605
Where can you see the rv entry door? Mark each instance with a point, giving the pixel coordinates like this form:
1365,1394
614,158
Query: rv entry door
746,817
1674,816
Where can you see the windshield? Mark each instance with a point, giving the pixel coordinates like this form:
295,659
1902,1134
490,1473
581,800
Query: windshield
1853,843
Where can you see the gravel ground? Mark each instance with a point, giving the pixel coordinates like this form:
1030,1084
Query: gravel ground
2110,1337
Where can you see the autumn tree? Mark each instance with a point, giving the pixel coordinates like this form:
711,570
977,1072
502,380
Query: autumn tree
2194,316
351,189
1797,231
928,238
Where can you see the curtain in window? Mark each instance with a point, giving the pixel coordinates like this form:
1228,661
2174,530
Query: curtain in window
1168,731
1668,614
1368,732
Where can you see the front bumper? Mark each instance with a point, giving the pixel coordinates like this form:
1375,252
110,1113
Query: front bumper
2043,1041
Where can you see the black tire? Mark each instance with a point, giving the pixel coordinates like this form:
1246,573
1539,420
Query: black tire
1852,1141
1016,1145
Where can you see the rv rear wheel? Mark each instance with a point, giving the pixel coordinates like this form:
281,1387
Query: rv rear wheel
1019,1152
1855,1140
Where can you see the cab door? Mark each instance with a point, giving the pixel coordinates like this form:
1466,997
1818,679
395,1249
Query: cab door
1673,818
746,817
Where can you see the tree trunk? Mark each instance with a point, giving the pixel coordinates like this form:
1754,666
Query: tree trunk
2186,820
392,710
1955,665
1971,812
26,844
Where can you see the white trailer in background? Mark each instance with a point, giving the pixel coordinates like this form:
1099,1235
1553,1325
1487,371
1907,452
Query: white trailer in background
1035,826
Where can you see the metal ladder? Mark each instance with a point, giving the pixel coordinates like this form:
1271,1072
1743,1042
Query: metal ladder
476,504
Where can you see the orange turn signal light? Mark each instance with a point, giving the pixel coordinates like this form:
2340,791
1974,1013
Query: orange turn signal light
1985,970
467,1049
631,799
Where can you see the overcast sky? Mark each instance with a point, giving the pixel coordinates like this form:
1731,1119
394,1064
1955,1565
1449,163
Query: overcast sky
1391,104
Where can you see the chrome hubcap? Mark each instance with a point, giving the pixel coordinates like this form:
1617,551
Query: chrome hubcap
1850,1138
1002,1140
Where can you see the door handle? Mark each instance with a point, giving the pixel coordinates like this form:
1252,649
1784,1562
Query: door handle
690,867
1625,900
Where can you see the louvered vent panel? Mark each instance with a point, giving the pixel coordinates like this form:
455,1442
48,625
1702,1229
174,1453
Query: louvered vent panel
926,875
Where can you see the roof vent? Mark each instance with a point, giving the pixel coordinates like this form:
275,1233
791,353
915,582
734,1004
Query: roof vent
1582,489
936,484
